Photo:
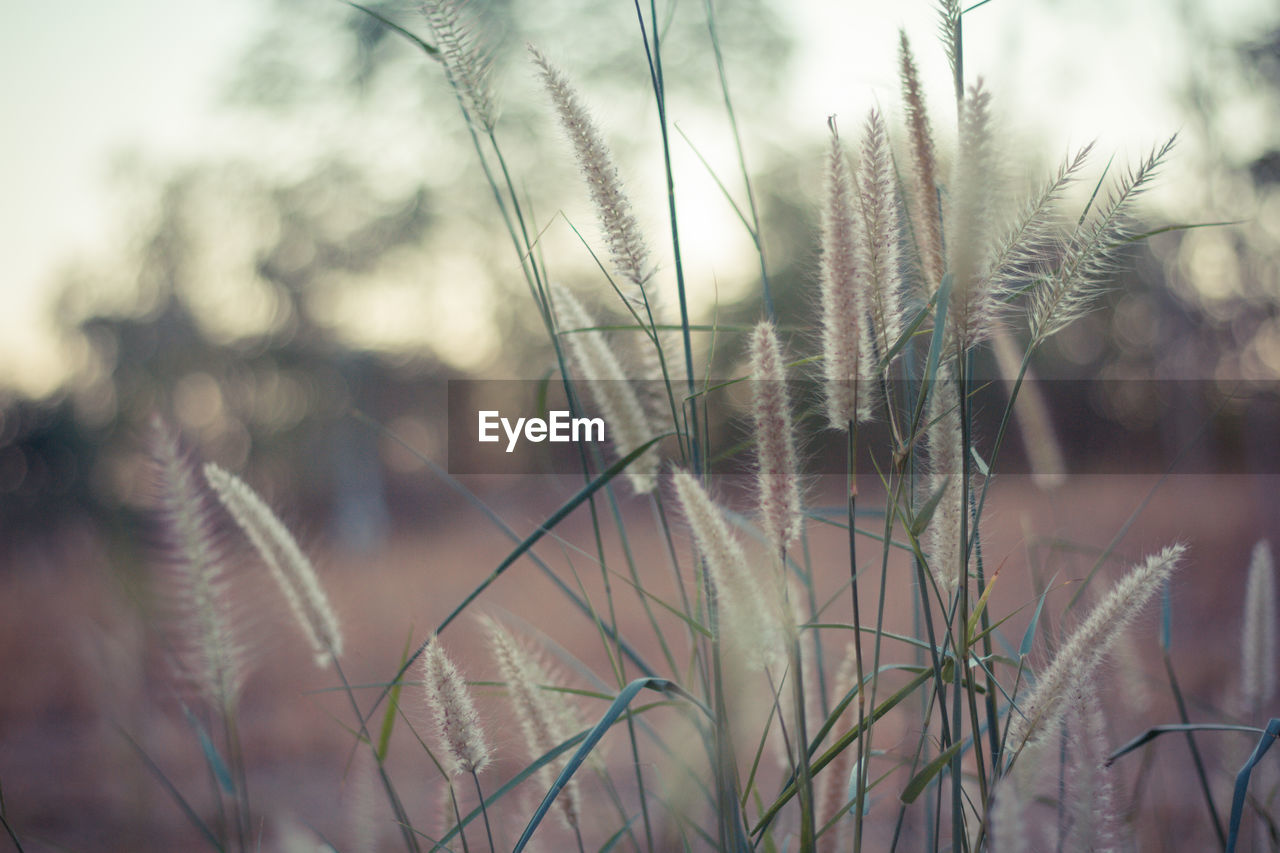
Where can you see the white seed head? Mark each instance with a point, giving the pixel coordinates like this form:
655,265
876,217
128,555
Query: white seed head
750,620
466,59
843,309
613,393
1077,660
209,650
544,716
777,478
457,723
290,567
1258,649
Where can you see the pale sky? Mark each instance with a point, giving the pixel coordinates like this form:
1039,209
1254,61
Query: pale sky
83,81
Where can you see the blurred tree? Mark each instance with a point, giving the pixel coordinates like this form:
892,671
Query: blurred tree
265,294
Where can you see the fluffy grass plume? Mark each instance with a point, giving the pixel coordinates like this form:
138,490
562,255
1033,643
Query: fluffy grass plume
946,461
1030,242
627,246
754,620
878,259
543,716
1091,794
614,395
1009,830
1077,659
290,568
924,208
778,478
842,304
466,59
457,723
970,221
1091,252
1258,645
209,652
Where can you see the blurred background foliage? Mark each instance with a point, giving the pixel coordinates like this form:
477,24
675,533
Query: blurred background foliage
359,262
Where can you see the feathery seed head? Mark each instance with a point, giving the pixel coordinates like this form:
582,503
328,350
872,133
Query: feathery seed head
466,59
1091,252
209,652
842,306
754,622
610,389
970,216
627,246
1077,659
457,723
1032,240
878,260
926,214
1091,792
289,566
543,724
946,458
949,23
1009,829
1258,649
777,480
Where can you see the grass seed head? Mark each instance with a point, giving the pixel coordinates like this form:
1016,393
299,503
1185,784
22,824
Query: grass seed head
457,723
289,566
1078,659
842,305
1258,646
777,477
209,650
614,394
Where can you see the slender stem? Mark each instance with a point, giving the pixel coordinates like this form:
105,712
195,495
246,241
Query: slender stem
654,55
966,438
484,812
241,786
804,782
742,161
457,816
860,794
1215,818
402,817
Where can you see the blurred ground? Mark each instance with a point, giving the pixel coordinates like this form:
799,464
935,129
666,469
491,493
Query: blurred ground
80,671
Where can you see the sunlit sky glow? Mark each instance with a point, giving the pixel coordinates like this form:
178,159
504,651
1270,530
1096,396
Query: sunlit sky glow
81,86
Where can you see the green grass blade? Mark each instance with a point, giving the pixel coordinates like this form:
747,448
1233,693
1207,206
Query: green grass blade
528,542
555,518
217,766
843,743
1242,780
742,217
922,518
922,779
593,737
939,328
192,817
393,702
1029,636
1174,728
507,531
397,29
